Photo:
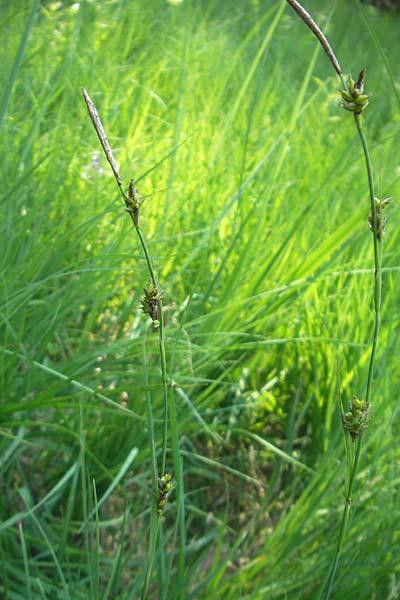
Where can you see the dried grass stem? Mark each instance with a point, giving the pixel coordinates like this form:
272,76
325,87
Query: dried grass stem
309,21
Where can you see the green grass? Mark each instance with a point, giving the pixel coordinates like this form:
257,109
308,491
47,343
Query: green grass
256,212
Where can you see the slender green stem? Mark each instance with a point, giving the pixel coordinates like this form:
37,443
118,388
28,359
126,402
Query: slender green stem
133,210
146,252
164,384
343,525
377,228
161,338
161,343
154,518
378,249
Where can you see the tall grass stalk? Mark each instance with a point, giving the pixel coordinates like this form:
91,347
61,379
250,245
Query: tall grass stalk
353,456
355,419
153,305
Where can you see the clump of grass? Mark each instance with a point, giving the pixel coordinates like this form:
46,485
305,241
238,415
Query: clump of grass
357,416
267,301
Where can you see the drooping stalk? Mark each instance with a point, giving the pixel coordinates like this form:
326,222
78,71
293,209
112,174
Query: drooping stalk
355,420
309,21
377,223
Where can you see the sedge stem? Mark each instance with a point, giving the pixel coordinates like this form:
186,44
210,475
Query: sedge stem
378,249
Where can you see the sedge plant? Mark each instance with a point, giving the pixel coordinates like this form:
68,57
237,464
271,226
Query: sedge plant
152,304
356,416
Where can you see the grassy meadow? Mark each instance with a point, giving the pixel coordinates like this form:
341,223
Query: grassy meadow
255,212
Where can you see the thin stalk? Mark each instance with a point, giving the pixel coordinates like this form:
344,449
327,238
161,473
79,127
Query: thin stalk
154,517
180,499
378,250
134,214
161,340
355,101
343,525
164,384
132,207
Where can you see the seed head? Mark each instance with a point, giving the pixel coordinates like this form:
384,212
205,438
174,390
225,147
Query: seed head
353,98
357,417
149,303
166,484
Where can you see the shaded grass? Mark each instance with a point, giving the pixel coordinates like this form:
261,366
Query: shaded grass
258,224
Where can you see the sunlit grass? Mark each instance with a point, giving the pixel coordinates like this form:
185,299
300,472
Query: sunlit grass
257,220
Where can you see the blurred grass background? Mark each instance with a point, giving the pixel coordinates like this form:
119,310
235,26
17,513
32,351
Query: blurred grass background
255,210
